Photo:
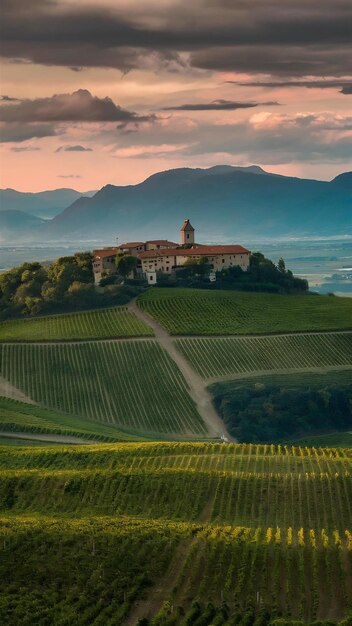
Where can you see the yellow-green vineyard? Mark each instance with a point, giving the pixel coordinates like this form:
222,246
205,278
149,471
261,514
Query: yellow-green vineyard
176,534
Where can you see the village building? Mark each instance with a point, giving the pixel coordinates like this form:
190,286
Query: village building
187,233
162,257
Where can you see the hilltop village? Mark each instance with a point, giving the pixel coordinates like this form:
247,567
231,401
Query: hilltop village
159,257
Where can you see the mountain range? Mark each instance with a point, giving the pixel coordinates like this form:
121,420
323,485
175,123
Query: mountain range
224,203
45,204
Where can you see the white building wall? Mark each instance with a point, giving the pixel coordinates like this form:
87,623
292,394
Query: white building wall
166,263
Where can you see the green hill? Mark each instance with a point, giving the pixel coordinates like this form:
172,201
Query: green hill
175,534
208,312
133,385
101,324
18,417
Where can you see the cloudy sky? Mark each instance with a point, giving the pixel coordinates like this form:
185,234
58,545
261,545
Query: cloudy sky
110,91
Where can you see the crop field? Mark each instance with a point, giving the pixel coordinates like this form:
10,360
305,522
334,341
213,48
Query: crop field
20,417
216,357
241,485
133,385
205,312
336,440
222,534
101,324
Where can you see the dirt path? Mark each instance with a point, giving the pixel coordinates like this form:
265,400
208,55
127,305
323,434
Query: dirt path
45,437
197,386
9,391
156,327
163,588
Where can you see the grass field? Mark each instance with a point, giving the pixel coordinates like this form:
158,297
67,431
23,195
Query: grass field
20,417
133,385
333,440
101,324
216,357
203,312
214,530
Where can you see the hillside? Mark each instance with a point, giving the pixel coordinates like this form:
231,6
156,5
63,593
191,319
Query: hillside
226,203
33,421
42,204
17,224
126,366
218,312
184,533
214,531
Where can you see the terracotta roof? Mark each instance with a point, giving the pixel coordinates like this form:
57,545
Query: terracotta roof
105,252
132,244
160,242
187,225
196,251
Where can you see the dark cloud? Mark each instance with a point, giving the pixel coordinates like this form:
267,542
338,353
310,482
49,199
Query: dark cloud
73,149
8,99
287,38
18,132
69,176
24,149
345,87
270,138
218,105
276,59
79,106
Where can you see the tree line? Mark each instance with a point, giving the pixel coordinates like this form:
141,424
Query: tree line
65,284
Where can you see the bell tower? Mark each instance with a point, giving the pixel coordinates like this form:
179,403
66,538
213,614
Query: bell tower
187,233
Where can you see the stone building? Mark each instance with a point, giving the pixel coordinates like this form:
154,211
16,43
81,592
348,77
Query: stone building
160,256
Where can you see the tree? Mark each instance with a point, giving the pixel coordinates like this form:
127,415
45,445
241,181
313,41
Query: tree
281,266
125,264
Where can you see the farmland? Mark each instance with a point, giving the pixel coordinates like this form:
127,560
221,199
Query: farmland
206,312
27,418
100,324
258,515
133,385
232,356
336,440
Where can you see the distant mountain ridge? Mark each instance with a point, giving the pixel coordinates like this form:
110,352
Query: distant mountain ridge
45,204
224,203
18,224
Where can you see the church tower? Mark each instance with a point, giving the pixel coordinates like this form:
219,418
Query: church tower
187,233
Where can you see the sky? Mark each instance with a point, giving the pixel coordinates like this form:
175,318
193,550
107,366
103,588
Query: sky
111,91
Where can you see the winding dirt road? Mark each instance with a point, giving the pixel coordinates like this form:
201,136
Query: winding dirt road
197,386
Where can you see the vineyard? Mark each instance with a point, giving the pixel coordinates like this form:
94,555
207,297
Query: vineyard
336,440
266,534
133,385
203,312
231,356
27,418
101,324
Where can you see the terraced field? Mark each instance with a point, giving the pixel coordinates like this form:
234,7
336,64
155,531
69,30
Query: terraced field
231,356
101,324
18,417
214,531
134,385
205,312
